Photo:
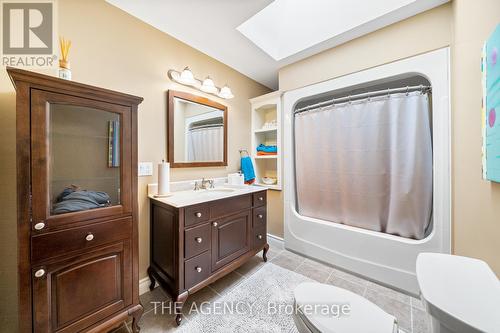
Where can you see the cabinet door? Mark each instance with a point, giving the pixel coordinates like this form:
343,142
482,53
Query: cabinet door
231,237
81,159
72,294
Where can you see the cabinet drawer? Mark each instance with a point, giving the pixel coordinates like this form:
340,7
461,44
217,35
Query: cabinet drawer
259,237
259,217
196,269
196,240
58,243
259,199
229,206
196,214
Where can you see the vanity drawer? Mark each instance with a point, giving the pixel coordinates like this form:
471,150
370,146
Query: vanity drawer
259,237
58,243
196,214
259,199
196,240
229,206
196,269
259,217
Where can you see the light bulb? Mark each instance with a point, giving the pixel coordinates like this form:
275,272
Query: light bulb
187,77
208,86
226,93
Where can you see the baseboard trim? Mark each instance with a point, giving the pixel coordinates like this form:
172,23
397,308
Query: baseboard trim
275,237
144,285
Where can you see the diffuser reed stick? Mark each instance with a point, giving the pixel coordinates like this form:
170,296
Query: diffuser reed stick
64,70
65,45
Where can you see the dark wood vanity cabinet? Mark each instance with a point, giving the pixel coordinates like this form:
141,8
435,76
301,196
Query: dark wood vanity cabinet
77,205
194,246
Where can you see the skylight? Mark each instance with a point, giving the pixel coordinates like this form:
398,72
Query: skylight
287,27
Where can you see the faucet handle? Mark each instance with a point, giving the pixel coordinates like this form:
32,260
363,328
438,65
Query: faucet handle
196,186
211,182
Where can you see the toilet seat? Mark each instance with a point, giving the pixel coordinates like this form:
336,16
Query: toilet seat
364,316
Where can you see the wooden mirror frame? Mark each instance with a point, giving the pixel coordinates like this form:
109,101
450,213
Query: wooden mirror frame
170,128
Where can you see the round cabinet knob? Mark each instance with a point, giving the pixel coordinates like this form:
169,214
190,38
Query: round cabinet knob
39,226
39,273
260,216
198,214
215,224
198,269
261,198
259,236
198,239
89,237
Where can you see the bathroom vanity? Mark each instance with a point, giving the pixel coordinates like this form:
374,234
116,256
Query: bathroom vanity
200,236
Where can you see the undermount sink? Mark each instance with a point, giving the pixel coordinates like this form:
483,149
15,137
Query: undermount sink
221,189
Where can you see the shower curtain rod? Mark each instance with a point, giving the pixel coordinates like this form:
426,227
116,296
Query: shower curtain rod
370,94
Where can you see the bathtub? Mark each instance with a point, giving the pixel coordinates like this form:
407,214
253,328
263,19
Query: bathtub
384,258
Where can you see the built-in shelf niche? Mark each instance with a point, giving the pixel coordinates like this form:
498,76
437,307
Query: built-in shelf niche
266,109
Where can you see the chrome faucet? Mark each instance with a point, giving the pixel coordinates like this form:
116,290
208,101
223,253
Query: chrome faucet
204,184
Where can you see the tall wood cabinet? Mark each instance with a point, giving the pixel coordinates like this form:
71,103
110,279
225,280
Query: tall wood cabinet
76,205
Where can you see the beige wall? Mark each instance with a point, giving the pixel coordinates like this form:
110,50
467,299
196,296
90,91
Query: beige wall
464,25
8,230
476,203
114,50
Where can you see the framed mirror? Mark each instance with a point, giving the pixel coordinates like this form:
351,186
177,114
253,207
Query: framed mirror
197,131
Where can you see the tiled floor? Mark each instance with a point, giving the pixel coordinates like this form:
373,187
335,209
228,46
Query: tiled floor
409,311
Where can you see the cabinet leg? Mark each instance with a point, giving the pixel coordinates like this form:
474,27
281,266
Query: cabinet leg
179,303
136,314
151,279
264,252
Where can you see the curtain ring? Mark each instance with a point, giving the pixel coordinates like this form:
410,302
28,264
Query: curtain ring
407,90
388,93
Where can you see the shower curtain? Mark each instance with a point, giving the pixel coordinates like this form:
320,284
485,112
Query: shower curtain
367,164
205,144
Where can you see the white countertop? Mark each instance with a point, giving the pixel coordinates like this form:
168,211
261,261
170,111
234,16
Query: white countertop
190,197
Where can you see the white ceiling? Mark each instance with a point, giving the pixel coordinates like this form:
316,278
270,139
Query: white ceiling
257,37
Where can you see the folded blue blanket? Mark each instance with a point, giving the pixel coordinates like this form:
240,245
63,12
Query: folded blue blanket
267,149
73,201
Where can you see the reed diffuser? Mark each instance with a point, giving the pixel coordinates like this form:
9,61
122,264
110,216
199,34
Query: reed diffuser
64,68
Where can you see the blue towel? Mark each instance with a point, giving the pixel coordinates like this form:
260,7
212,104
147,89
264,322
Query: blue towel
247,168
267,149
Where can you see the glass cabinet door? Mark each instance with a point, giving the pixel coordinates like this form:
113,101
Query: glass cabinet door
81,158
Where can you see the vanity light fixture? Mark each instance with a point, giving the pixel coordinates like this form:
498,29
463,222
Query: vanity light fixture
187,78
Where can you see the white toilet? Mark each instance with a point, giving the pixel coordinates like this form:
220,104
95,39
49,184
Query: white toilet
461,294
364,316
